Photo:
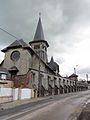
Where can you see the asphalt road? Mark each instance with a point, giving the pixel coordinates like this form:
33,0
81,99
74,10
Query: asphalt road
61,107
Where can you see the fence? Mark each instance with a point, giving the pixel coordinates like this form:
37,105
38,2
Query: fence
10,94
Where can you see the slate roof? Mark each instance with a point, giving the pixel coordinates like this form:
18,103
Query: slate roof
3,70
73,75
39,34
53,65
16,44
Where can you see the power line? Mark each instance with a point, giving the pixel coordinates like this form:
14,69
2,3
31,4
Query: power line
8,33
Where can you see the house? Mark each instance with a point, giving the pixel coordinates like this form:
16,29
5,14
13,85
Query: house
5,79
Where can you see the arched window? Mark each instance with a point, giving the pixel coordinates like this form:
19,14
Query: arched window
42,55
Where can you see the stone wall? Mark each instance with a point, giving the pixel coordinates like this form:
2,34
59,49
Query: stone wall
22,64
4,99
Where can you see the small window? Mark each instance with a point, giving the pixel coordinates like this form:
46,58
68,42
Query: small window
48,77
42,55
3,76
55,80
33,78
44,47
15,55
63,81
36,46
59,81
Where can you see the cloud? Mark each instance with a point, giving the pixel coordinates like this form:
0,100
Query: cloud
85,70
19,17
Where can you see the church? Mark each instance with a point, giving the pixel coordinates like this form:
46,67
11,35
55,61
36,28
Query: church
29,67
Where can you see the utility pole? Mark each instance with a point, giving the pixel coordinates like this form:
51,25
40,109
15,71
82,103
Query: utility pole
87,77
74,70
39,82
76,79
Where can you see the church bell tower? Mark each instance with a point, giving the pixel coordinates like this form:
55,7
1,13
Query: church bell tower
39,44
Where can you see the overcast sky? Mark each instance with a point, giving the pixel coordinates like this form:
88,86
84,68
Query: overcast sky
66,25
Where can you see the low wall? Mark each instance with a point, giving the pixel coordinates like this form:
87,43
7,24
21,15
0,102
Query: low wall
11,94
20,94
5,92
6,95
5,99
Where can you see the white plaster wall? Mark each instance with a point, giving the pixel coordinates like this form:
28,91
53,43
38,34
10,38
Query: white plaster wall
5,92
25,93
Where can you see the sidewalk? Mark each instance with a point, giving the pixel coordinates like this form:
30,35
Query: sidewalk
20,102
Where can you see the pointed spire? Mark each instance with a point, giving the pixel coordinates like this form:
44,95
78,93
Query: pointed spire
52,60
39,35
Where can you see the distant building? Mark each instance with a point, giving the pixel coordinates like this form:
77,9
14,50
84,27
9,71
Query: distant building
74,77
